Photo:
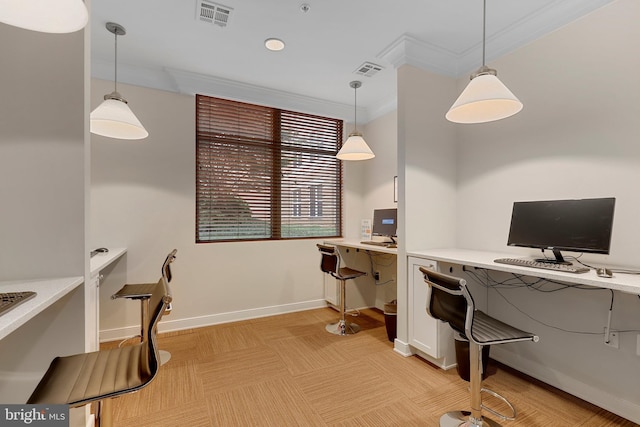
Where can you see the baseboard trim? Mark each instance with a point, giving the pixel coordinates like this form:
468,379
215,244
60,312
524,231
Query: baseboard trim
616,404
402,348
169,325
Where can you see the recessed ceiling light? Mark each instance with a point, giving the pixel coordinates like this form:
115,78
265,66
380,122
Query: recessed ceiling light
274,44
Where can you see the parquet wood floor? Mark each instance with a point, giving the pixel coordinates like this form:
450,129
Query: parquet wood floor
288,371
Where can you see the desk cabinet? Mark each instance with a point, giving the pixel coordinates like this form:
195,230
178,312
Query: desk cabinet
431,338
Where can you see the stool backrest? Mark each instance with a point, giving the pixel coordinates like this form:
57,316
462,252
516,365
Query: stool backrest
166,265
158,303
449,300
330,262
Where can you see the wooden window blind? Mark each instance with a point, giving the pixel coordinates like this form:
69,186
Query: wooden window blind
265,174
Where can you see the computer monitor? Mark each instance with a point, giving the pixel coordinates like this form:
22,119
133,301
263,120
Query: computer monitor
583,225
385,222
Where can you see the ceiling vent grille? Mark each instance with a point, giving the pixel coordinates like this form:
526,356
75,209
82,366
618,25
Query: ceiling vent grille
368,69
213,13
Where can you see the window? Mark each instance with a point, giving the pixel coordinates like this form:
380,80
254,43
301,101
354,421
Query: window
255,168
315,200
296,203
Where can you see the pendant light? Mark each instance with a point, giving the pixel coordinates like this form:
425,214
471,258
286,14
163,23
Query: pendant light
486,98
355,147
47,16
113,118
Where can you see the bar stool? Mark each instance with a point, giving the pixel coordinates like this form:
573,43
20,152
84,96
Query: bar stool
99,376
330,264
449,300
142,292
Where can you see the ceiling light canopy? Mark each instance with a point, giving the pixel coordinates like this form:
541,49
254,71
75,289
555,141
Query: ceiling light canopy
274,44
355,147
486,98
47,16
113,118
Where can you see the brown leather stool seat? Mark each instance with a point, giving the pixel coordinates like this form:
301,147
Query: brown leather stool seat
98,376
330,264
449,300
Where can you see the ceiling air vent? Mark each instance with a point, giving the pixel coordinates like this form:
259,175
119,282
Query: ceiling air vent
368,69
213,13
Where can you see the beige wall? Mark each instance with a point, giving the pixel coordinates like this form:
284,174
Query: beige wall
143,198
576,137
41,154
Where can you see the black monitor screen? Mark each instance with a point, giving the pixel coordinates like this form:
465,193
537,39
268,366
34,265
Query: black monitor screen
385,222
574,225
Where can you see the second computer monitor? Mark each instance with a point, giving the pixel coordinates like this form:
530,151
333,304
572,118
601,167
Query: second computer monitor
385,222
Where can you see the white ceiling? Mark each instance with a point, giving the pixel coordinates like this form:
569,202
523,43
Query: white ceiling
167,46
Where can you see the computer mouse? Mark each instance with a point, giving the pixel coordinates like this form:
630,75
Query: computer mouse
604,272
99,251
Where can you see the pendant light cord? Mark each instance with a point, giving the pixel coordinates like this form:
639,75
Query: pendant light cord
484,26
115,72
355,109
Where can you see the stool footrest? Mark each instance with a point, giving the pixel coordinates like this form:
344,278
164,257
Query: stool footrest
504,399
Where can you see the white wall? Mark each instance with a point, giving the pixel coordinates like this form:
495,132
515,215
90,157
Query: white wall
143,198
368,186
576,137
41,154
42,221
426,173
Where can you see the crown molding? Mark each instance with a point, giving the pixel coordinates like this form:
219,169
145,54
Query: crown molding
190,83
407,49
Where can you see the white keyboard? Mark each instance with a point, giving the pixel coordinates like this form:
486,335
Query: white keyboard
544,265
383,244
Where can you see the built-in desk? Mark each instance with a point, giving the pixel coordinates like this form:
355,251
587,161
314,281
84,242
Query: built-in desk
47,293
628,283
98,264
357,245
61,319
571,354
101,261
364,294
50,324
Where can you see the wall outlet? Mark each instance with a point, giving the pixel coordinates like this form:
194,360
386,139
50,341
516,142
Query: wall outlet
376,275
614,340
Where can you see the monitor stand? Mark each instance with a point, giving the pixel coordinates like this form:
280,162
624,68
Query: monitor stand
559,258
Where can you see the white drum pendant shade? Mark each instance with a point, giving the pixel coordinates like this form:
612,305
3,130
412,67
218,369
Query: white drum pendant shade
114,119
355,148
47,16
485,99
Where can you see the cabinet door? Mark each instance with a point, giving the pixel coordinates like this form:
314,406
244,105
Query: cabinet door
423,329
331,290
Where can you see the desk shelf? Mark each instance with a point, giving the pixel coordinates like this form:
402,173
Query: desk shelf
48,292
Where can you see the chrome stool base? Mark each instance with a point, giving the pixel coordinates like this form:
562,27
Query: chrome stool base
164,356
463,419
342,328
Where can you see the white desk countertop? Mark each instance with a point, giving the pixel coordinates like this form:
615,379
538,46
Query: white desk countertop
48,292
102,260
629,283
357,245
